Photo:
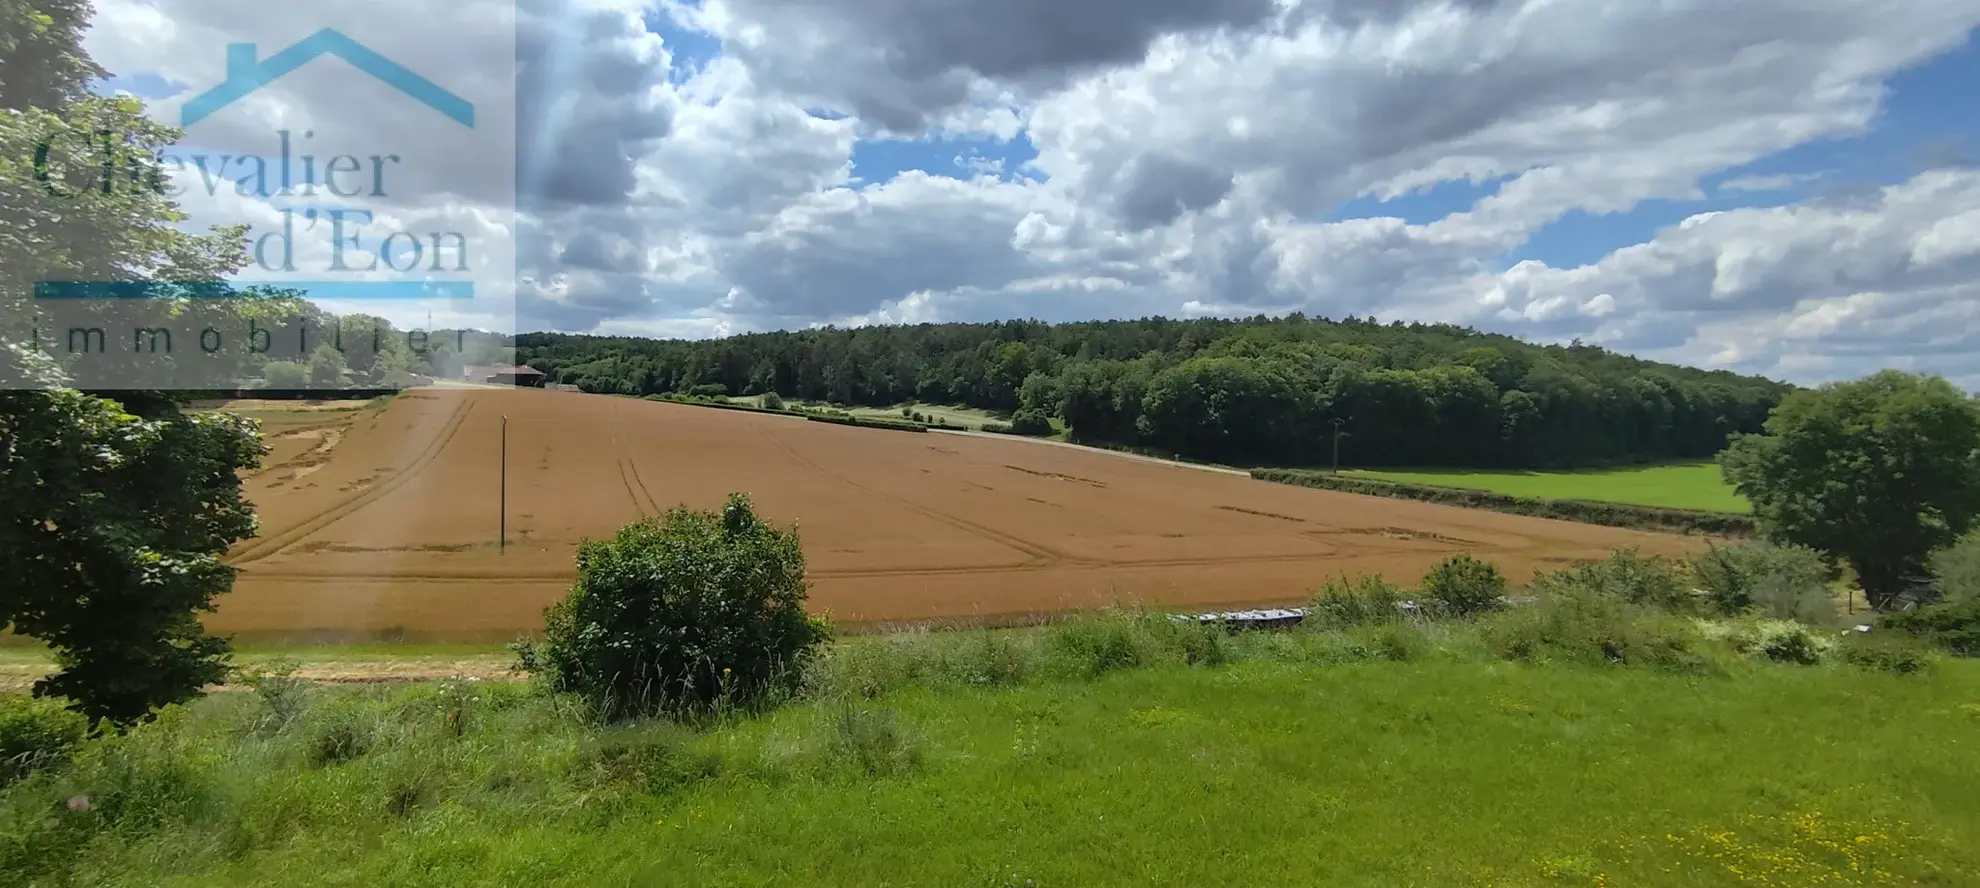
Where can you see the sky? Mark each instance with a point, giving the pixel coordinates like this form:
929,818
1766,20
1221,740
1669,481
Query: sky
1782,187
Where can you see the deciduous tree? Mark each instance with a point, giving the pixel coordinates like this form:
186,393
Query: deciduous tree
1879,472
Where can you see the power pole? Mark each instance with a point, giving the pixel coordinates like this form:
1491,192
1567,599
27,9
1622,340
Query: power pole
502,545
1338,422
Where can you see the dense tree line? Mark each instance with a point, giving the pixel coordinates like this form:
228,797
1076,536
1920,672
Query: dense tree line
1255,390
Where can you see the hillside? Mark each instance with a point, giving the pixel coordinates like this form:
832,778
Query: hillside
1253,391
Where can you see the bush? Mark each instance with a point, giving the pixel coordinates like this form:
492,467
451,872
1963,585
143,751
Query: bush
1579,625
1628,576
1091,646
710,390
1031,421
1344,603
771,401
1884,653
1783,582
1784,597
679,614
36,734
284,696
1952,625
1464,586
1781,641
1956,569
345,733
284,376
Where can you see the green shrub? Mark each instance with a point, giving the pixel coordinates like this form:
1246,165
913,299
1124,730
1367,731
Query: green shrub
1783,582
710,390
771,401
1580,625
1464,586
1883,652
1343,603
283,696
1398,642
1952,625
1626,575
344,734
1792,646
677,614
36,734
1031,421
1090,646
1956,569
1783,597
1781,641
284,376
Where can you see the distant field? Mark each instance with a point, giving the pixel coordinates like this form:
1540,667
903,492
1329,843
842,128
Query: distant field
1693,486
383,524
966,417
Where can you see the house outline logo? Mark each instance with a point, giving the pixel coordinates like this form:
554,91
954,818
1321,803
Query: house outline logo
246,74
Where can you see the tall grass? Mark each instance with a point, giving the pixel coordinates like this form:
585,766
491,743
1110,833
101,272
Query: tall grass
1613,730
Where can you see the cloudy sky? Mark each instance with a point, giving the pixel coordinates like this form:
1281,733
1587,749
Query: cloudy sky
1788,187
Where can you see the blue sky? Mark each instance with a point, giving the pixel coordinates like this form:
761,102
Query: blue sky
1913,131
1913,128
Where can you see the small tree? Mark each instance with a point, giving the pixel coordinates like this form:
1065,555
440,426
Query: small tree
1733,577
284,376
1030,421
1956,570
326,367
1463,586
771,401
671,616
1879,472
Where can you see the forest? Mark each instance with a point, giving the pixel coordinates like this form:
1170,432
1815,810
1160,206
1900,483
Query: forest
1253,391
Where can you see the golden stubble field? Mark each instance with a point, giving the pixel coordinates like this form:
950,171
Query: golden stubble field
381,521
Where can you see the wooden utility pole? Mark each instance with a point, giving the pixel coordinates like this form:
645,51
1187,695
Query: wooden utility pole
502,546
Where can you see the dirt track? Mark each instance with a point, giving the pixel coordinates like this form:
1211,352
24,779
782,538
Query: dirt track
383,520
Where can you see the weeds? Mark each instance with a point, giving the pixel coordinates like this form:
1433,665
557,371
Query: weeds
873,740
1345,603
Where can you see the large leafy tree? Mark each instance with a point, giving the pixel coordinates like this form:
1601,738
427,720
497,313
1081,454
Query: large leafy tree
115,507
1879,472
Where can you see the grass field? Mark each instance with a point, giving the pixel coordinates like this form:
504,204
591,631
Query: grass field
1690,486
1272,771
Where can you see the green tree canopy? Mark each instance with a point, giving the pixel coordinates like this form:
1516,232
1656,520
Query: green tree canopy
115,507
1879,472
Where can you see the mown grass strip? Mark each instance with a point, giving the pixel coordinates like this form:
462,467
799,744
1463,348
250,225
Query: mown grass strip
1585,511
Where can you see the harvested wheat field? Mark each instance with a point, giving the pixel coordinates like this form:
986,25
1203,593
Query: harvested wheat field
385,521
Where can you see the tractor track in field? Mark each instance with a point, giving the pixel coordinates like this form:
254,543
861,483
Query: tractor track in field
271,545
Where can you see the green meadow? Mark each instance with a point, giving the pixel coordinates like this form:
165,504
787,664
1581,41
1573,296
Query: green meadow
1104,751
1686,486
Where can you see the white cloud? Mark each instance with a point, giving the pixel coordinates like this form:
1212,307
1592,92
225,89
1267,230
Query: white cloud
1189,154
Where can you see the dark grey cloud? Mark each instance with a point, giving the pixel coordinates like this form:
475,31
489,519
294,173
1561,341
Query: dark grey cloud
894,63
1157,189
585,107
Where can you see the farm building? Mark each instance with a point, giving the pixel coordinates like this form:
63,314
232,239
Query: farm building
502,374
